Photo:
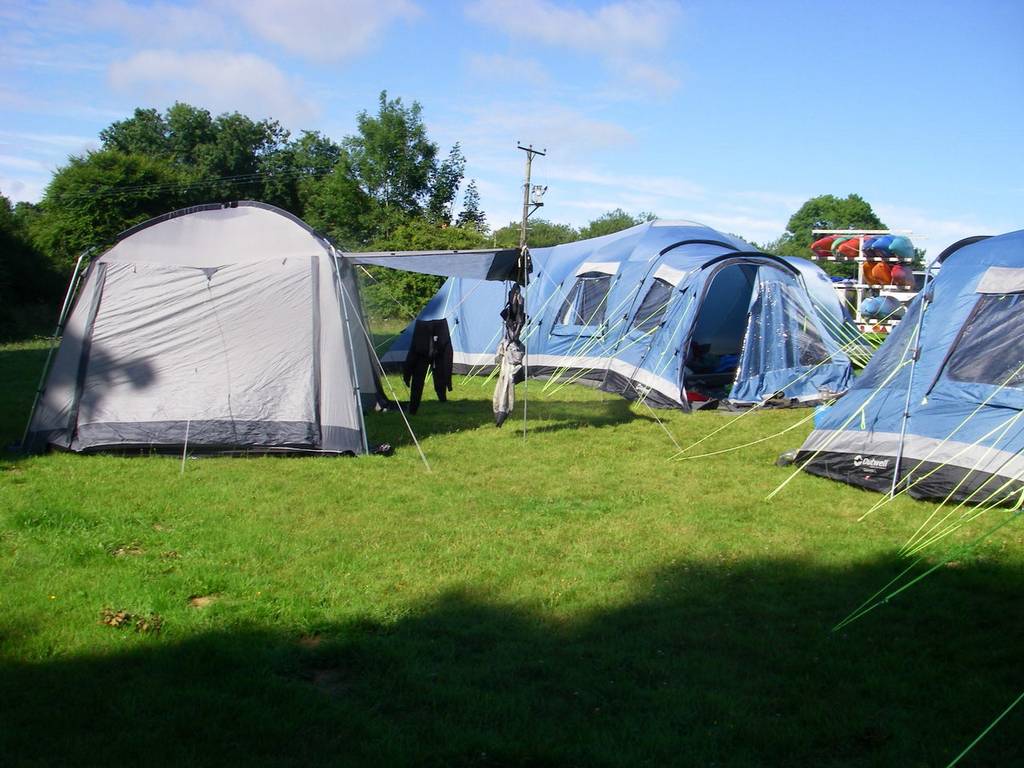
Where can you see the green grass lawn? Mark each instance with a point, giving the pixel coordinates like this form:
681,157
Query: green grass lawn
568,599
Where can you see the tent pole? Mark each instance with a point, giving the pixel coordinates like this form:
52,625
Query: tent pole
385,380
526,340
58,331
910,379
352,354
524,261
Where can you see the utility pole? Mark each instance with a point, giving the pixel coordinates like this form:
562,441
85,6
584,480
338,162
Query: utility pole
532,197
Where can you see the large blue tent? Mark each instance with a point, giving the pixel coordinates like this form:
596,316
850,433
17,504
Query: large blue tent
674,313
941,401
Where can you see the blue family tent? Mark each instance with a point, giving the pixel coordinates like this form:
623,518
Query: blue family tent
940,405
672,313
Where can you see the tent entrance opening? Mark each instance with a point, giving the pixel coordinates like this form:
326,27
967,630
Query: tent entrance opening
716,342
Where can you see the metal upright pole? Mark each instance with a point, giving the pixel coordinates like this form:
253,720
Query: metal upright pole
339,282
57,333
525,266
910,380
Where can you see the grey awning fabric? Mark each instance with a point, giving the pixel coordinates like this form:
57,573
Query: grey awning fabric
492,264
1001,280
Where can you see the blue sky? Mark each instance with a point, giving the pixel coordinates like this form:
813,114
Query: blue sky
729,113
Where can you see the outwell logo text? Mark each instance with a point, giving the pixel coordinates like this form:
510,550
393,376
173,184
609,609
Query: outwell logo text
867,462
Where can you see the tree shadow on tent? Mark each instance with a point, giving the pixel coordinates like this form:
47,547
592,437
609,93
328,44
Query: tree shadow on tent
728,664
21,369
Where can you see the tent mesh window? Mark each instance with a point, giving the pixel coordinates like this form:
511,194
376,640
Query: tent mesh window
781,334
990,347
810,347
896,350
585,304
652,308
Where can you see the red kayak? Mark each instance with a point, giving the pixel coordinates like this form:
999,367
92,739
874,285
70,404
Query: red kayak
822,247
902,276
850,249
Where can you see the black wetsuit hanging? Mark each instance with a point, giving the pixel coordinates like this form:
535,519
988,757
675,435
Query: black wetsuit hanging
514,313
431,349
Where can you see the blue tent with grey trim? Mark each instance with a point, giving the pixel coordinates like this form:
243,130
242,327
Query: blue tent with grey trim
672,313
940,405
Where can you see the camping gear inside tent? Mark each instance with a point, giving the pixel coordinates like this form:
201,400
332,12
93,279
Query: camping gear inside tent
939,407
222,328
667,312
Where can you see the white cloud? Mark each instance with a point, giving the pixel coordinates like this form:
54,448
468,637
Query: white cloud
504,68
323,30
654,187
628,36
614,27
645,76
27,189
218,80
162,24
564,131
21,163
59,140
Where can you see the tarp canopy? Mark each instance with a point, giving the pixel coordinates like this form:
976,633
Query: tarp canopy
662,311
964,432
496,264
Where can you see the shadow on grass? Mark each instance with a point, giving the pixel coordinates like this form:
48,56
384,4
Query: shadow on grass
729,665
19,374
467,411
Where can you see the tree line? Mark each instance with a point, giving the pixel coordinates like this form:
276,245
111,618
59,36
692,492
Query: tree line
388,186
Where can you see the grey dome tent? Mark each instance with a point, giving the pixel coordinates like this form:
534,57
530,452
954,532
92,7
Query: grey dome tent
216,328
223,328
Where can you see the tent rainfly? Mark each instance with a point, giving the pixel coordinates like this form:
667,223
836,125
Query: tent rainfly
222,328
672,313
940,404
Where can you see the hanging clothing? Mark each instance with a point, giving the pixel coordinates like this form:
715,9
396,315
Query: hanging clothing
431,349
510,370
510,355
514,313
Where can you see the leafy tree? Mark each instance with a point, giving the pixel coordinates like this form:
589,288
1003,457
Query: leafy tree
394,162
471,215
205,150
825,212
294,173
392,293
98,195
28,283
445,185
338,207
146,133
611,222
541,234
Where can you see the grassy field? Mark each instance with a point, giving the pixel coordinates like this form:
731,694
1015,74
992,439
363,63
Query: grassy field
572,599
